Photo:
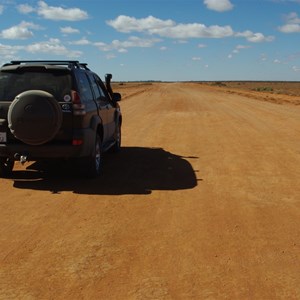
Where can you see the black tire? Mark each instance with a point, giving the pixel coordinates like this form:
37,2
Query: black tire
91,166
34,117
6,166
118,139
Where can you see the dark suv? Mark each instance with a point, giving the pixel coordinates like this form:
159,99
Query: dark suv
57,109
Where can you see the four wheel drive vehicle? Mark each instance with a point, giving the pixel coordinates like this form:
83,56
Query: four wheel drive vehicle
57,109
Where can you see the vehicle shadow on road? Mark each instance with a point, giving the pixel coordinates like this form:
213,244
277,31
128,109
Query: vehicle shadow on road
135,170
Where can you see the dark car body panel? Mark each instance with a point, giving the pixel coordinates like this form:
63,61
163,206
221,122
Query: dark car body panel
96,113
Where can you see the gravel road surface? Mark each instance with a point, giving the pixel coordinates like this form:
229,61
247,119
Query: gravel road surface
203,202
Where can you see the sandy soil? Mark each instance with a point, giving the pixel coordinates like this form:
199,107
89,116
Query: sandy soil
202,203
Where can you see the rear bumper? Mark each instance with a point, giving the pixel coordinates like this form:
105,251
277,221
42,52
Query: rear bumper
46,151
51,150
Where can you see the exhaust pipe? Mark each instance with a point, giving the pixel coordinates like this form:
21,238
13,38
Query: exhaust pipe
23,159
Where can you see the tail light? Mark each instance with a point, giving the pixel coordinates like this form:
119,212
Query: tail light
77,142
78,107
78,110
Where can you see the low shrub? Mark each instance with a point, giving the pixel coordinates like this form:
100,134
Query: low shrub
264,89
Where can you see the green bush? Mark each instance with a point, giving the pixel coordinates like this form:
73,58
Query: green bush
264,89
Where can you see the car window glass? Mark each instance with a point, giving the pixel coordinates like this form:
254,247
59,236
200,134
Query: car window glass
101,91
96,88
13,83
84,87
101,86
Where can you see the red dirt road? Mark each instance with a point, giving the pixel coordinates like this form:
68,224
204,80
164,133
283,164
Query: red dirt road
203,202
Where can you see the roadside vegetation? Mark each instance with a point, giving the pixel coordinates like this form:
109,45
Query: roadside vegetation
290,88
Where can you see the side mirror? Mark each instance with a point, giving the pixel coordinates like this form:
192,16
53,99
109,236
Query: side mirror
116,97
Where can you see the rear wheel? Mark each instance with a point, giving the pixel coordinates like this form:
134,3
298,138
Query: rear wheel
6,166
118,137
91,166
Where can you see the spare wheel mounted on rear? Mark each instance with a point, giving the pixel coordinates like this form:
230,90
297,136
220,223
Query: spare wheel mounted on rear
34,117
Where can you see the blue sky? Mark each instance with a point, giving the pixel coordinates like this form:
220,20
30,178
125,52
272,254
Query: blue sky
170,40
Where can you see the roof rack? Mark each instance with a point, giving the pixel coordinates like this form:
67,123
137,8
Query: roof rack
69,63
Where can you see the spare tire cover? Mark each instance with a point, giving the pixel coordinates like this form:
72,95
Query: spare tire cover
34,117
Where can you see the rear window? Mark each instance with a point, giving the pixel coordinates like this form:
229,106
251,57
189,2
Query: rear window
13,83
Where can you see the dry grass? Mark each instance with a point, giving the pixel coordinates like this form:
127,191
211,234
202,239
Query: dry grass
274,87
280,92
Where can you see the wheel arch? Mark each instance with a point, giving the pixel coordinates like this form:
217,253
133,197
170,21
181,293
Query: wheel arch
97,126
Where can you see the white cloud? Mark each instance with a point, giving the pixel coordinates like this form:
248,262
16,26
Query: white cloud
20,31
292,24
110,56
52,46
202,46
242,47
25,9
55,13
276,61
163,48
58,13
132,42
293,18
195,30
255,37
68,30
290,28
180,42
237,50
129,24
8,50
296,69
81,42
16,32
169,29
1,9
103,46
218,5
196,58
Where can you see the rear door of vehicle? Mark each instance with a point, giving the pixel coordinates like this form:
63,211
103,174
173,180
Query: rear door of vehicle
103,105
110,109
55,81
